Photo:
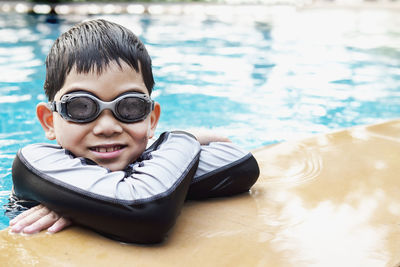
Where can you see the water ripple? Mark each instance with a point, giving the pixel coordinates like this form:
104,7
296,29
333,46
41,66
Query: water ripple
290,164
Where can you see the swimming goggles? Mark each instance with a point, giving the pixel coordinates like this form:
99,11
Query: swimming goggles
84,107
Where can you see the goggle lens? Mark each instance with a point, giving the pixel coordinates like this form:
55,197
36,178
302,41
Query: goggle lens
131,108
81,108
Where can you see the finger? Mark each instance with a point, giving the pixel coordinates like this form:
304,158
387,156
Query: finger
222,139
31,218
25,214
59,225
42,223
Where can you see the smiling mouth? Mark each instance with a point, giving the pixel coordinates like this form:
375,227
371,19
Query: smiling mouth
108,148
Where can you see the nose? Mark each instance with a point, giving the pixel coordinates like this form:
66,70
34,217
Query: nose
107,125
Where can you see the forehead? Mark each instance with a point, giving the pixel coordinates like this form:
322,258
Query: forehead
112,81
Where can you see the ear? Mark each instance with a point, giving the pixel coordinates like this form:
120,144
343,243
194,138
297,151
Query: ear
45,116
154,117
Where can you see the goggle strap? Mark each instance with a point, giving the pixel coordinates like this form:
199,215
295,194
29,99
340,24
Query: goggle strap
53,106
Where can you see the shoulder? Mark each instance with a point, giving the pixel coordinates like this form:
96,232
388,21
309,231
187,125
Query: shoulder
43,156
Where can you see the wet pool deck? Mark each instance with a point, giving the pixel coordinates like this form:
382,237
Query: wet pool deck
329,200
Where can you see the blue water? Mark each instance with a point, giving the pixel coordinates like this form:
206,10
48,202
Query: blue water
290,75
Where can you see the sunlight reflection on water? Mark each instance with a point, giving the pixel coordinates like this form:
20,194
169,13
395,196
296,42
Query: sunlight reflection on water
294,74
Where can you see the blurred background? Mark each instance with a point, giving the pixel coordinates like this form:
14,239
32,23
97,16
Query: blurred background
260,72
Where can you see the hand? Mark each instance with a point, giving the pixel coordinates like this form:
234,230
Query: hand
37,219
205,137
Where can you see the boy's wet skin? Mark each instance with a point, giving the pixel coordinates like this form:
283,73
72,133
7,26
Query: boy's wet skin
106,140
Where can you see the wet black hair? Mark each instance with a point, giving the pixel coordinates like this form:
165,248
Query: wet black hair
89,47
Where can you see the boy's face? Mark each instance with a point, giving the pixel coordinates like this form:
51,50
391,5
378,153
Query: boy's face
107,141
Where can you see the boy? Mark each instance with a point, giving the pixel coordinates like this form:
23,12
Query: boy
99,81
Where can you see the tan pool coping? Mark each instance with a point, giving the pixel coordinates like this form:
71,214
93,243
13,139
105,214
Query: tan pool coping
328,200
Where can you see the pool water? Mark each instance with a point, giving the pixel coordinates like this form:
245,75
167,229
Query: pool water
258,81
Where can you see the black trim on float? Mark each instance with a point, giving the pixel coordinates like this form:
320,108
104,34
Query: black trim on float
139,221
145,220
228,180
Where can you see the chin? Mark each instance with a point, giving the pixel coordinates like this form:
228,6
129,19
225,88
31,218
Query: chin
114,168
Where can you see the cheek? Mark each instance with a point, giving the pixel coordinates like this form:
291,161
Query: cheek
58,129
140,131
68,135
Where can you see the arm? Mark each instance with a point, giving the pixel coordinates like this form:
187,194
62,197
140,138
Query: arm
139,206
224,169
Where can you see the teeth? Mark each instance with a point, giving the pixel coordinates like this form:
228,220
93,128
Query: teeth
106,149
